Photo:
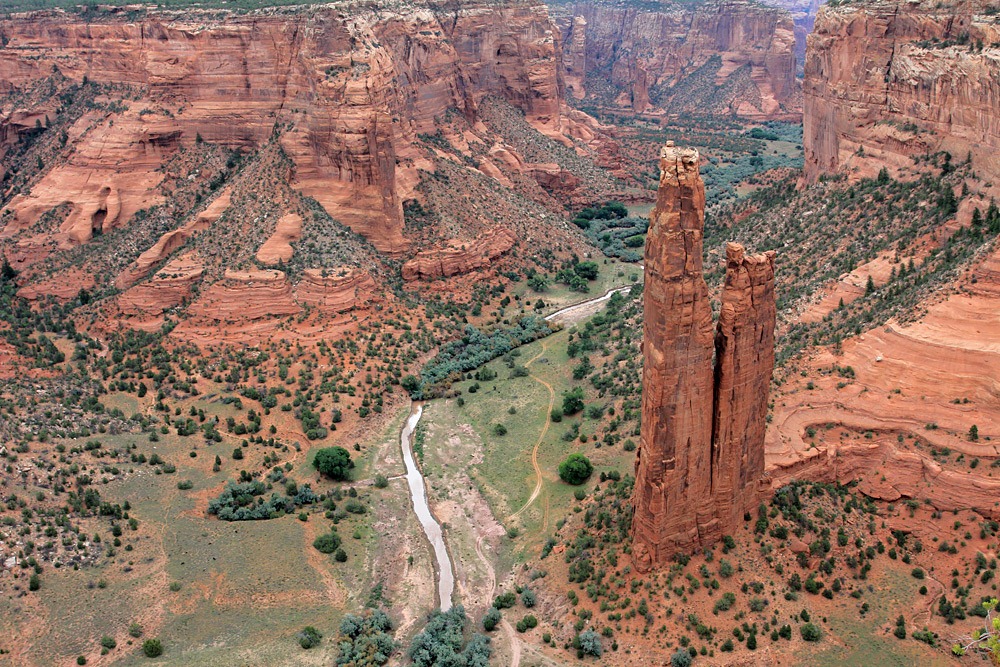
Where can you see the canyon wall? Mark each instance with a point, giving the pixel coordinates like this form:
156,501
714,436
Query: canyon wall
803,13
722,57
701,456
888,81
348,92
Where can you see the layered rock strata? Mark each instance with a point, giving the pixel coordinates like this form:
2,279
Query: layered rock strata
887,81
702,441
725,57
339,291
348,92
457,256
744,361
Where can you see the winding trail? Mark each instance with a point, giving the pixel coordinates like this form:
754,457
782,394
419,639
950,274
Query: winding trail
569,314
541,436
508,630
929,610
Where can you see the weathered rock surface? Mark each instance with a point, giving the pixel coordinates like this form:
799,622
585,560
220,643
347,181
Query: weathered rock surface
702,441
356,88
803,13
110,176
244,296
888,81
172,241
278,248
63,287
673,471
884,472
726,57
339,291
925,381
459,256
575,58
744,362
169,287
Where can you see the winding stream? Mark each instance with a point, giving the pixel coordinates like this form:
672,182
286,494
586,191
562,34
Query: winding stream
418,489
418,494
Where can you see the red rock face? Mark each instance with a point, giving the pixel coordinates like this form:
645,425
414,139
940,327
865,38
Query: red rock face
702,439
642,53
575,58
350,92
744,353
673,475
457,257
882,84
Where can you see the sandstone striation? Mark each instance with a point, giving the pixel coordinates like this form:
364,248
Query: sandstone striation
885,82
244,296
348,93
744,345
458,256
913,475
702,441
338,291
724,57
167,288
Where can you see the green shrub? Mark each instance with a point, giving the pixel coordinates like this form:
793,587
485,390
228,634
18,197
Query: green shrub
152,648
572,401
365,639
724,603
491,619
327,543
334,462
309,637
589,643
575,469
811,632
505,600
441,642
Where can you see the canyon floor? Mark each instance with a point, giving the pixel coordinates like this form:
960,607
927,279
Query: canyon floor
118,452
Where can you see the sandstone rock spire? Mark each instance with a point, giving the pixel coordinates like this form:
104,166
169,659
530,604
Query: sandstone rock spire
744,362
702,439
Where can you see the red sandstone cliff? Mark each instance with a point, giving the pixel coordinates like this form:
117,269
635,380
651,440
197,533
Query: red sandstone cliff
702,442
348,93
725,57
886,81
457,257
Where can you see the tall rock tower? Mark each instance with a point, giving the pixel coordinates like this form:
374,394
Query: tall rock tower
702,442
